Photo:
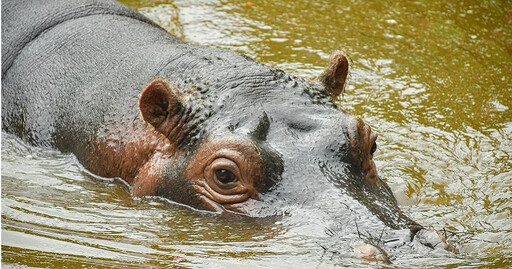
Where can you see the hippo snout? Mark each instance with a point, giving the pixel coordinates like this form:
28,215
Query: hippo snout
399,243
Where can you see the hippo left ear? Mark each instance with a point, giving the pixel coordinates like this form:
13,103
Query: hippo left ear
159,105
334,77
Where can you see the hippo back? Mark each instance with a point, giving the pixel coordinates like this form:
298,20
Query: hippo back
23,21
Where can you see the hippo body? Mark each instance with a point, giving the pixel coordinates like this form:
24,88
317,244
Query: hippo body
205,127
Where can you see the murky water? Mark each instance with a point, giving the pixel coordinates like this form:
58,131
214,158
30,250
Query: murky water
433,78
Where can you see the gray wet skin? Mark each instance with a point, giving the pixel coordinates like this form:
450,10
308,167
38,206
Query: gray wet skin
73,73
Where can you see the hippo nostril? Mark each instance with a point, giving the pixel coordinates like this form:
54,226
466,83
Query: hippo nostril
374,148
433,239
372,253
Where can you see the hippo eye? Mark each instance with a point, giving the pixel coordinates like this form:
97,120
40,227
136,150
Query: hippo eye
225,176
374,148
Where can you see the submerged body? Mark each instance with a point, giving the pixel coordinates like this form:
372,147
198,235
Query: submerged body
200,126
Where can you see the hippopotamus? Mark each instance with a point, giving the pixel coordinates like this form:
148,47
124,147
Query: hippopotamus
205,127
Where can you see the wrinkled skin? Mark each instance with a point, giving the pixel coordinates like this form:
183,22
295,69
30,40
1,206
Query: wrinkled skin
200,126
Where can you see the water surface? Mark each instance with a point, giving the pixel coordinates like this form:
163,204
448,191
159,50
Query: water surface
432,78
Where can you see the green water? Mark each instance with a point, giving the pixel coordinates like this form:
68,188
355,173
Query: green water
434,78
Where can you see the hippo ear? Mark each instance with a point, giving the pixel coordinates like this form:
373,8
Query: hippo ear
158,103
334,77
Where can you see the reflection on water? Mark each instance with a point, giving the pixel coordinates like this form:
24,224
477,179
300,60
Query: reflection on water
433,78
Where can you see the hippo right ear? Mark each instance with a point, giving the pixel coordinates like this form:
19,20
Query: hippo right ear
159,104
334,77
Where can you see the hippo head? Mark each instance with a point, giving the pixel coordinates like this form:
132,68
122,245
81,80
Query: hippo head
268,143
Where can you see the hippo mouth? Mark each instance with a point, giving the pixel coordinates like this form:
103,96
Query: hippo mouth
423,241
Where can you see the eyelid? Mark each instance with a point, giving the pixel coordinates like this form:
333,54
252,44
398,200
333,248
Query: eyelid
303,126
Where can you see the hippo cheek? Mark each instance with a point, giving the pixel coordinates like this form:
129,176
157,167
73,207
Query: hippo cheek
220,202
149,176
